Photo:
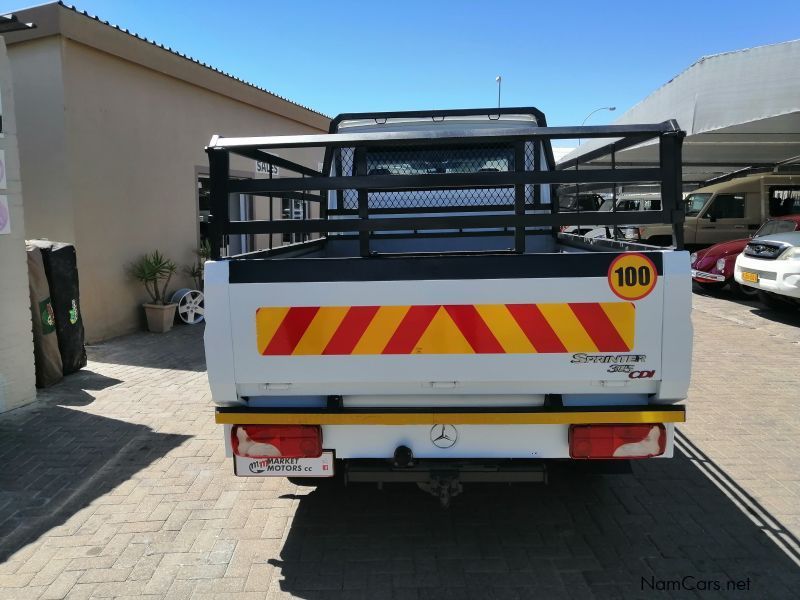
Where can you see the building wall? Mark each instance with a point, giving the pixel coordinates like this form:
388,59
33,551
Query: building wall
36,71
134,140
17,377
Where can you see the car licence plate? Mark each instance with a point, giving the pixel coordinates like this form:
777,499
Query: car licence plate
751,277
321,466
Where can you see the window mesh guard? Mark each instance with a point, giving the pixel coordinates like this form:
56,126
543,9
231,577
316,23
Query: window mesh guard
476,158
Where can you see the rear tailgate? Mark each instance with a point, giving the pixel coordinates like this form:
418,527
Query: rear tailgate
567,323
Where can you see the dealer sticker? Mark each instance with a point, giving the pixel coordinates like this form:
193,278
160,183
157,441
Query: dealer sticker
321,466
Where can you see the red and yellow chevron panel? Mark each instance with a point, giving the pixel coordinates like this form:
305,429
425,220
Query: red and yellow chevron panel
446,329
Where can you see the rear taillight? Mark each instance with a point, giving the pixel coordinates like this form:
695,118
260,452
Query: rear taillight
287,441
617,441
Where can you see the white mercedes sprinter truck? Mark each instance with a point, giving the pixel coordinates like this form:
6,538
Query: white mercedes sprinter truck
435,326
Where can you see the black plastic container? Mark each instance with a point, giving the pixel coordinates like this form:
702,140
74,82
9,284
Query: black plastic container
61,266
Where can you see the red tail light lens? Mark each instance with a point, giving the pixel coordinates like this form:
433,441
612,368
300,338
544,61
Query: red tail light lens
617,441
287,441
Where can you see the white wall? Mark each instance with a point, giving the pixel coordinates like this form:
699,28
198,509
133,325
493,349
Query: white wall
17,377
36,70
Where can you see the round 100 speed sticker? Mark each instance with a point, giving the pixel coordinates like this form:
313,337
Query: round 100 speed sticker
632,276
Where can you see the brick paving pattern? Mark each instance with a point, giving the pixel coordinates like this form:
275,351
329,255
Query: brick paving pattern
115,484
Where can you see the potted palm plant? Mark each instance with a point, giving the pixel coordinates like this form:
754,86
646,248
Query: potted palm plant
155,271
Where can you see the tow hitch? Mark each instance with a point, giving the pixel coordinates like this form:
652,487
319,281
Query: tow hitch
443,487
443,479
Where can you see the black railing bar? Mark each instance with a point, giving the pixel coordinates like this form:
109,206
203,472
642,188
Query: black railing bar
271,211
450,233
452,222
527,111
442,181
606,149
577,187
462,208
293,195
519,197
266,157
465,136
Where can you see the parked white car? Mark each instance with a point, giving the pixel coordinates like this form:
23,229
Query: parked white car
771,264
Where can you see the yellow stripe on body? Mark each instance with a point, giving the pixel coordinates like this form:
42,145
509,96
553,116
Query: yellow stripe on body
623,317
321,330
422,418
380,330
442,337
268,319
505,328
567,327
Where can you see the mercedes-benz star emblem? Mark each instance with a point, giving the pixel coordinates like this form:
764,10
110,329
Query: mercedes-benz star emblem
444,436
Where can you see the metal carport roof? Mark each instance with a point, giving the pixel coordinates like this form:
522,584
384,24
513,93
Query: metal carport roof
739,109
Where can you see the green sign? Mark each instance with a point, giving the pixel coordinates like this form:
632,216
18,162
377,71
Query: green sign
48,316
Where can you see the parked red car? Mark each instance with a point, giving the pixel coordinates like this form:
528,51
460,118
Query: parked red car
712,267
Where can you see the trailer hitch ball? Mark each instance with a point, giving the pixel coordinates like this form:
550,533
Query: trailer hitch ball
403,457
444,487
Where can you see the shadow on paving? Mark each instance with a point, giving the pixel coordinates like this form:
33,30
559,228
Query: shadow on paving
785,315
179,349
788,315
57,460
74,389
580,536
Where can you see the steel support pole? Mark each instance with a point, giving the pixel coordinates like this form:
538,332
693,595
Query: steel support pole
360,165
672,184
519,198
219,174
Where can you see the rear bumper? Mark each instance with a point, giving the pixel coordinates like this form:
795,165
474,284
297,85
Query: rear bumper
705,277
528,433
502,471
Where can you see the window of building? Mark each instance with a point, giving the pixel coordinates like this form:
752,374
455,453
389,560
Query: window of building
295,209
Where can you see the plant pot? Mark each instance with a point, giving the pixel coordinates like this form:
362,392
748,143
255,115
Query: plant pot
160,317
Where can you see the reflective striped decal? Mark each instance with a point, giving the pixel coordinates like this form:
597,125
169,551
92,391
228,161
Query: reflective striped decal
446,329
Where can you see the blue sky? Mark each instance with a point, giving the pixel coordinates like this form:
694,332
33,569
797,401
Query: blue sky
566,58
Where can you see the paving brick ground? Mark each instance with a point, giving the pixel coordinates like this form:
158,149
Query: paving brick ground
115,484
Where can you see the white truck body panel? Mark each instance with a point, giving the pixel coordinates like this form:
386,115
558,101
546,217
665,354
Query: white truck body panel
236,364
414,374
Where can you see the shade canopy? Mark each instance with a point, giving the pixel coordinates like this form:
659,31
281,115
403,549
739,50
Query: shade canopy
739,109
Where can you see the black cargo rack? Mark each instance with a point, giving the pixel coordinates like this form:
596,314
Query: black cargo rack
353,214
